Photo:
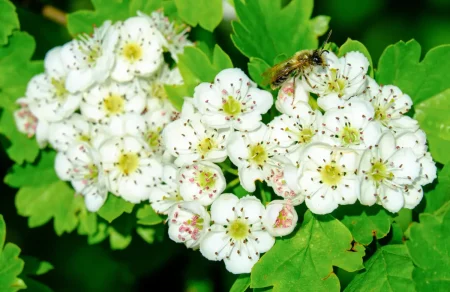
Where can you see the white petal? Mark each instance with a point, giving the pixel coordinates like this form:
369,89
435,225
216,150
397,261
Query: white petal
223,208
322,202
391,199
251,208
248,176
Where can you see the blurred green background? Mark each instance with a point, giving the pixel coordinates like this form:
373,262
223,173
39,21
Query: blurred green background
168,266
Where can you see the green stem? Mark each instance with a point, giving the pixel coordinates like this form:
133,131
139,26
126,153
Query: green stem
232,183
263,195
230,170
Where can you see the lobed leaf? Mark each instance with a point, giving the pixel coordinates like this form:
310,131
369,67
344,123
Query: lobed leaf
306,259
432,115
8,19
206,13
400,65
114,207
389,269
438,197
147,216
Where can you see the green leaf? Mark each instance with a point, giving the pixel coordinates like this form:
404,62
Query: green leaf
42,203
147,216
266,30
256,67
10,263
114,207
39,173
206,13
196,67
8,19
365,222
146,6
320,24
88,222
351,45
432,115
306,258
151,234
400,65
389,269
16,70
35,267
429,249
436,198
84,21
118,240
241,284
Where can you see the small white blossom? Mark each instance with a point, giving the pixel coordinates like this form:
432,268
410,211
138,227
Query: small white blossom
328,177
131,171
232,101
339,80
280,218
89,59
201,182
416,141
277,181
73,130
139,50
166,194
390,105
428,170
26,122
81,166
101,102
190,140
290,100
254,153
351,125
53,64
387,171
237,236
175,35
188,223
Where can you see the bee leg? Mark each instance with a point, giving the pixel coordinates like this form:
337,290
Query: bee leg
307,80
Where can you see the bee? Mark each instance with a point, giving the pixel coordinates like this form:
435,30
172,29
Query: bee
295,66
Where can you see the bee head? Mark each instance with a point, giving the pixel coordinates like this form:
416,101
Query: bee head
317,58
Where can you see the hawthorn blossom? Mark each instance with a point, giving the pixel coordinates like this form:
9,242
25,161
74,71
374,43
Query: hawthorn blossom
232,101
139,49
291,97
280,218
188,223
201,182
339,80
89,58
167,193
237,236
26,122
276,179
65,133
80,164
387,172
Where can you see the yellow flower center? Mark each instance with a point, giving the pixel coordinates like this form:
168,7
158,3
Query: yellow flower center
337,85
60,89
258,154
153,139
206,145
331,174
93,172
238,229
114,104
128,163
84,138
350,136
157,90
305,135
132,52
379,172
232,106
206,179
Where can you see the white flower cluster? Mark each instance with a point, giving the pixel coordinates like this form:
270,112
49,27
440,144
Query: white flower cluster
102,106
357,144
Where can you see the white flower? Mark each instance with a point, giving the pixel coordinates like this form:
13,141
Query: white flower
190,140
188,223
289,98
390,105
201,182
131,171
175,35
277,181
428,170
80,164
53,64
295,132
387,171
139,50
351,125
64,134
89,59
416,141
232,101
237,236
49,100
166,194
42,133
280,218
110,99
26,122
328,177
255,154
339,80
154,87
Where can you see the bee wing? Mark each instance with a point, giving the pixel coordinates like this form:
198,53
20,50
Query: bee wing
273,73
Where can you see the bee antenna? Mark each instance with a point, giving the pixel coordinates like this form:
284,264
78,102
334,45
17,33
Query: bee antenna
326,40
